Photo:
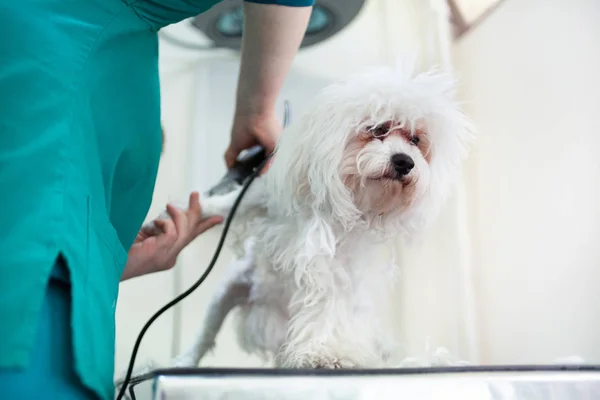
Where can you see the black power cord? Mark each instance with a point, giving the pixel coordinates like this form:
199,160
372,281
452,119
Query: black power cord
182,296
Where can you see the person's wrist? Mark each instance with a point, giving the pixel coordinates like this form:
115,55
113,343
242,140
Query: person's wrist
254,104
134,268
131,269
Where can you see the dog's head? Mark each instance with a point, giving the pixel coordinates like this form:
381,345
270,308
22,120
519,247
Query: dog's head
381,146
386,166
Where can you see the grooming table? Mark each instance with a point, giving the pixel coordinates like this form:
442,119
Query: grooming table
548,382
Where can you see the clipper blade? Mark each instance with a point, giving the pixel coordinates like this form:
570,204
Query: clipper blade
242,169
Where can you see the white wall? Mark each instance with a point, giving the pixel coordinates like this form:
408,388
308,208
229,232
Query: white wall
530,75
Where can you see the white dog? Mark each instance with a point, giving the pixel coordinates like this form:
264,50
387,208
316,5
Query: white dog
372,158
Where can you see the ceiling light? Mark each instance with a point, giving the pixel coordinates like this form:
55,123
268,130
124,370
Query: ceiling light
223,23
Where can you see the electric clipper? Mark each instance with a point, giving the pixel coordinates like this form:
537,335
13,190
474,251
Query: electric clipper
245,165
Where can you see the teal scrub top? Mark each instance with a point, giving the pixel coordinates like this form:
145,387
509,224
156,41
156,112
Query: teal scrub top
80,141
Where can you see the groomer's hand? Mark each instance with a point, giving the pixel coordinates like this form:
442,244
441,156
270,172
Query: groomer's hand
272,36
250,129
158,252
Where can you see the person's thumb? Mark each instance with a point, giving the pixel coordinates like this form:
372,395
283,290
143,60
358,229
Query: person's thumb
269,144
231,155
267,166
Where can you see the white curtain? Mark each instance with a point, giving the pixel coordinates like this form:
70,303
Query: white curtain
433,303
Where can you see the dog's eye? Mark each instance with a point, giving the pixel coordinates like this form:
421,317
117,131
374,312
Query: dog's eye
380,131
415,140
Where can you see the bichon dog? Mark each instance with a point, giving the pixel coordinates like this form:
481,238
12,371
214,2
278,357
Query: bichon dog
371,159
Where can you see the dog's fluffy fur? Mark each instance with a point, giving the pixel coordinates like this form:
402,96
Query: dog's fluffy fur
307,281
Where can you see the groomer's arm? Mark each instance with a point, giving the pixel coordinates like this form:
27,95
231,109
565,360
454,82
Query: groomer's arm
272,37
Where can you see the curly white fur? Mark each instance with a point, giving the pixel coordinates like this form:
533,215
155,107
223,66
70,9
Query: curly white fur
309,283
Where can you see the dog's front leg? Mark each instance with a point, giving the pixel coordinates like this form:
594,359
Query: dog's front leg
233,291
218,205
313,343
324,331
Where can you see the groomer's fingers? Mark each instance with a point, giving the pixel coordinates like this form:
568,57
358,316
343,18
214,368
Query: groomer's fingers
179,221
194,210
148,230
167,226
268,142
205,225
267,166
230,156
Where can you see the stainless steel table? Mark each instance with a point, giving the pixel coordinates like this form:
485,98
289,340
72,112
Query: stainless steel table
551,382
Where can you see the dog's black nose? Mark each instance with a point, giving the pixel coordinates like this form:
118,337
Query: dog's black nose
402,163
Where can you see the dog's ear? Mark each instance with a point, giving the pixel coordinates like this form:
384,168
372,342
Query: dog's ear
287,177
306,168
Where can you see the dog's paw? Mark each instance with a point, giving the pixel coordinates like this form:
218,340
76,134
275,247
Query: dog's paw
319,362
328,365
336,364
150,229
